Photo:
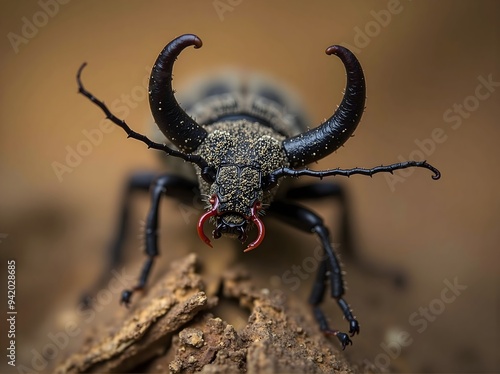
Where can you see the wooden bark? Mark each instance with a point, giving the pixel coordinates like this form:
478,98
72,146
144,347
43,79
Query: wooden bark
176,328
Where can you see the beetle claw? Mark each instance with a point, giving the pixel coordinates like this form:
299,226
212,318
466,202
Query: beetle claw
254,217
212,212
125,297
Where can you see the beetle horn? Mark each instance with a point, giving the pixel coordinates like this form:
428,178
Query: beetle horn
319,142
172,120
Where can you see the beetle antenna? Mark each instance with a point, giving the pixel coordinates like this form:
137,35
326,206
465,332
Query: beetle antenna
288,172
195,159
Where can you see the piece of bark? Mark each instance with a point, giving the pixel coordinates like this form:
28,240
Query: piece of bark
274,340
176,329
169,305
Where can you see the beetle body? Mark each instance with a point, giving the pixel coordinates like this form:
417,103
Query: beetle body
245,130
243,143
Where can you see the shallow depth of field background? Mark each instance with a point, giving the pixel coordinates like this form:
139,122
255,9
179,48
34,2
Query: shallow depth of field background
422,60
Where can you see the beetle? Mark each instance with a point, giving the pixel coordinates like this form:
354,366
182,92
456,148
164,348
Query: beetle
241,153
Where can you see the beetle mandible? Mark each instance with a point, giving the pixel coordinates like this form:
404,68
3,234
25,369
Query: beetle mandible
241,153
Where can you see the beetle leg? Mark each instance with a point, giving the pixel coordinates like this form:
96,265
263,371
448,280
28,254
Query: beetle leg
304,219
171,186
137,182
316,298
316,191
332,269
322,190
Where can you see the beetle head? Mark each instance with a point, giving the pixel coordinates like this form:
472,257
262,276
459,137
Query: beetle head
239,157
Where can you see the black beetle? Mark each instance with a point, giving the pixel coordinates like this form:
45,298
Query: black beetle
242,148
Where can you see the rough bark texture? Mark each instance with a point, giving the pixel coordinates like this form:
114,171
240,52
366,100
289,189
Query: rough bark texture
176,328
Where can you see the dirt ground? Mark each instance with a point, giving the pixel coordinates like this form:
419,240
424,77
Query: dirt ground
432,71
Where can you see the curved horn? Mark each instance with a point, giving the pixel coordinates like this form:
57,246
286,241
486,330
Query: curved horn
319,142
172,120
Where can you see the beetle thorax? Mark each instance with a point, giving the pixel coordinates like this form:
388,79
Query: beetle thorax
241,153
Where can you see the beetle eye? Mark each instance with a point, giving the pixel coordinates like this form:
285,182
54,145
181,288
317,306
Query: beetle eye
208,174
269,182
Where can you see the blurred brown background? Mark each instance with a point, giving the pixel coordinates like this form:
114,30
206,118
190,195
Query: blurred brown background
425,62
